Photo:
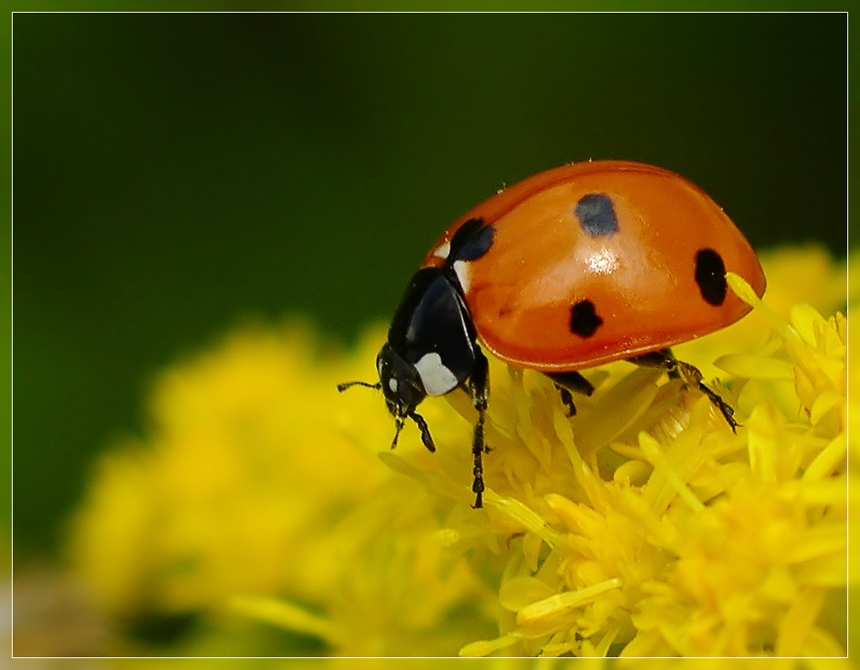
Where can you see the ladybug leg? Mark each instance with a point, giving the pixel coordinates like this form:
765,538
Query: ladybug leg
422,426
566,382
479,391
691,375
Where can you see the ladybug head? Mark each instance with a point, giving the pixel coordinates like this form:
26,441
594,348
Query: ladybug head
403,391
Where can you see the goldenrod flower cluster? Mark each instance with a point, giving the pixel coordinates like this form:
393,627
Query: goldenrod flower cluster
261,499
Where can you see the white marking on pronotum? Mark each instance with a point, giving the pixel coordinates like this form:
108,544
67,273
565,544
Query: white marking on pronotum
463,272
443,251
392,384
437,379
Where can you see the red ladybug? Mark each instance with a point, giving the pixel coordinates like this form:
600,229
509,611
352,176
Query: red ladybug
573,267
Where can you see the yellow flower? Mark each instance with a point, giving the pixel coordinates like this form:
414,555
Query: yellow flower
643,526
258,481
243,462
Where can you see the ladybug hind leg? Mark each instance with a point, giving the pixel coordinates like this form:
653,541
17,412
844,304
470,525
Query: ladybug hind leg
691,375
567,382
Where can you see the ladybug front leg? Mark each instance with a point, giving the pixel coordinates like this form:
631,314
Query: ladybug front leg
691,375
479,390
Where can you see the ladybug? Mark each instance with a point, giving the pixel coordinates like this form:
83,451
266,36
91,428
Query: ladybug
573,267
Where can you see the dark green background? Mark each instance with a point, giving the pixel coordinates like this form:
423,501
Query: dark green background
174,173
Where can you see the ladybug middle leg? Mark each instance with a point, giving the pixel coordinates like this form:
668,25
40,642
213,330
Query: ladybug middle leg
691,375
479,392
566,382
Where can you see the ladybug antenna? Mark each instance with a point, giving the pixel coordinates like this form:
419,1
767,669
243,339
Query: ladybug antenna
343,387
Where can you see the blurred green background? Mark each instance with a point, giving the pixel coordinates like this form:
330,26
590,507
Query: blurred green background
176,173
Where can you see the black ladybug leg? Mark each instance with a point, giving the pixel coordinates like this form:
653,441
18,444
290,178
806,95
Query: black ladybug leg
566,382
664,358
479,390
691,375
425,430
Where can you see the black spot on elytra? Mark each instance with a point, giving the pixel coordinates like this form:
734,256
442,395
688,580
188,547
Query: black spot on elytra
584,320
711,276
471,241
596,215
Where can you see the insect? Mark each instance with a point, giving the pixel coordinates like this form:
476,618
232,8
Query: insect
573,267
